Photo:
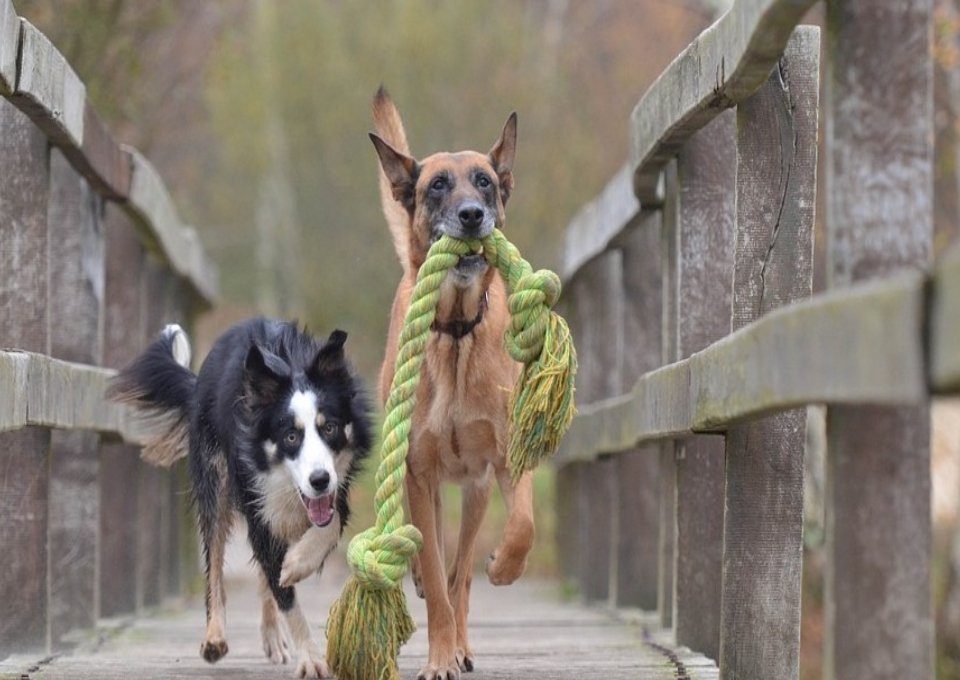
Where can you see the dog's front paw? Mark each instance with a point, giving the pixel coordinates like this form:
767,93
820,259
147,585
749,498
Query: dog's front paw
276,644
312,664
465,659
296,567
214,649
503,569
443,671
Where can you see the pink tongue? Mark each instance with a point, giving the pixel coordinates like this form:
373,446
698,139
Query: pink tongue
320,510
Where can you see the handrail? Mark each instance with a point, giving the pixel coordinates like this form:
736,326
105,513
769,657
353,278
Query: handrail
42,391
722,67
820,350
38,80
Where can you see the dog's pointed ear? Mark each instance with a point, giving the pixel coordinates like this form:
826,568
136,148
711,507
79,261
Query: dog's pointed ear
330,358
265,373
503,153
401,170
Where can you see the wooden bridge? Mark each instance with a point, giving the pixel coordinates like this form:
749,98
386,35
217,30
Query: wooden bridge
689,282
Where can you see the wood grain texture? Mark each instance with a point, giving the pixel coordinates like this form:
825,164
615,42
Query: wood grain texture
599,222
880,219
528,633
773,266
596,297
793,356
9,46
100,159
666,541
76,303
723,66
705,241
118,474
24,182
48,89
634,563
23,535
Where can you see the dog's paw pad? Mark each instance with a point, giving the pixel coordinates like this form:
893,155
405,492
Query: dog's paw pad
448,672
465,661
275,645
310,667
214,650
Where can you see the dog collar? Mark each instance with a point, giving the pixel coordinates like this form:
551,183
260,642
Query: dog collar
459,328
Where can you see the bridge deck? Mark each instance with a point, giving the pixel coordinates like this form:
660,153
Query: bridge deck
521,631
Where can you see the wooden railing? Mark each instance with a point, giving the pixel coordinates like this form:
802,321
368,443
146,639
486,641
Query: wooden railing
688,284
93,261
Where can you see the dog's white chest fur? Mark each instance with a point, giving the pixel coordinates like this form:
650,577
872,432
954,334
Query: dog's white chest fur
280,506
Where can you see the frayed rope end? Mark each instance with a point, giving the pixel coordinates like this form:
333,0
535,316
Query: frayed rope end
365,631
542,405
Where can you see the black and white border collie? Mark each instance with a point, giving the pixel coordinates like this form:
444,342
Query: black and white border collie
276,425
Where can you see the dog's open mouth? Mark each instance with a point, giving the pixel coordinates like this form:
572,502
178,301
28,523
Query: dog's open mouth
471,262
319,510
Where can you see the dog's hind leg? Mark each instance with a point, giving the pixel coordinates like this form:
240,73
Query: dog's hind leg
476,497
215,517
509,560
273,631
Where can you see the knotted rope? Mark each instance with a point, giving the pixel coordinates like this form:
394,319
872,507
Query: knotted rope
370,621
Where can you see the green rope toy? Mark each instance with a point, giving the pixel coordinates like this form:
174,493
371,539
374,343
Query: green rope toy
370,622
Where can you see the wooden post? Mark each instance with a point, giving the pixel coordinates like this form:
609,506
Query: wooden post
637,474
597,296
76,301
879,135
119,462
23,308
706,173
763,523
666,545
152,485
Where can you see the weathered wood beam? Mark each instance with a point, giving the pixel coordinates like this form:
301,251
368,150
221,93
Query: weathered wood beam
599,222
9,46
42,84
763,515
879,217
723,66
800,354
48,89
40,390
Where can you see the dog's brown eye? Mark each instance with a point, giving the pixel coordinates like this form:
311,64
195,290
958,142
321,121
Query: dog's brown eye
483,181
292,438
439,184
330,429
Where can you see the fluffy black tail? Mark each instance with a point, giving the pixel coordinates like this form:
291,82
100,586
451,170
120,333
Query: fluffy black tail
159,384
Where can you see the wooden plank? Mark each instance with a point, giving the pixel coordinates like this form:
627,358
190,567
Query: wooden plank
163,232
593,228
9,46
723,66
597,300
24,462
23,232
667,535
763,519
747,374
101,160
48,90
76,301
521,632
23,535
880,219
705,234
945,324
637,474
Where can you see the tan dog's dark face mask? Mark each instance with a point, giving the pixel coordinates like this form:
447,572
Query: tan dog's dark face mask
455,194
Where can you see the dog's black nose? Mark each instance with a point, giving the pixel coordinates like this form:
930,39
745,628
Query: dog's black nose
471,215
320,480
